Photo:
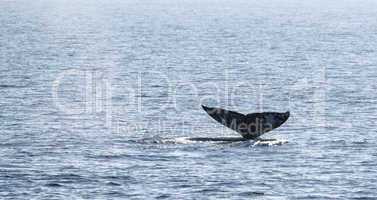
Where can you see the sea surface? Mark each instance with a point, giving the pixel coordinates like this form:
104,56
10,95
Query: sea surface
98,98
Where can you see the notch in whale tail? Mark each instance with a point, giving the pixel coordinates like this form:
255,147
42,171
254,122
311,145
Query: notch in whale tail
250,126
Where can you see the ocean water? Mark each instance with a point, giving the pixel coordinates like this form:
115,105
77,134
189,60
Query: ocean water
97,98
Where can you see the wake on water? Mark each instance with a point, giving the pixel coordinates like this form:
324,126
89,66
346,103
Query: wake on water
225,140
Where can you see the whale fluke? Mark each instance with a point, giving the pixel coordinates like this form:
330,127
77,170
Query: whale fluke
250,126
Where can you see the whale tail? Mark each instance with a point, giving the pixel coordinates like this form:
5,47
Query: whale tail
250,126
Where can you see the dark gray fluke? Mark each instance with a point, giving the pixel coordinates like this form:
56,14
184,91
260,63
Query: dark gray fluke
250,126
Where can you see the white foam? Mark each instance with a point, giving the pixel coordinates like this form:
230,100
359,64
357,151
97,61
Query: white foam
270,142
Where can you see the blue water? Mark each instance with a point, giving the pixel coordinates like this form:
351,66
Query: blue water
97,97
